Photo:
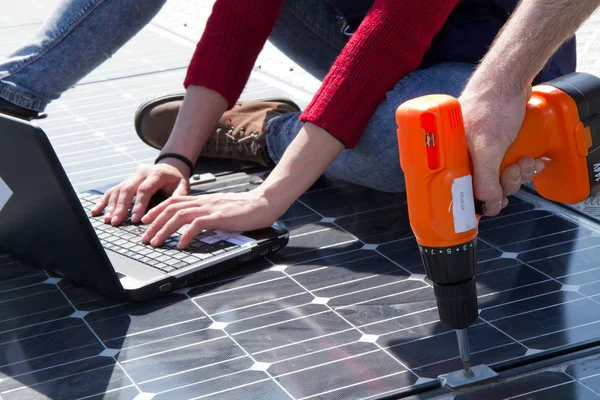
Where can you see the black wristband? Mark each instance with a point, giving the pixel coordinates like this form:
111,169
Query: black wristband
179,157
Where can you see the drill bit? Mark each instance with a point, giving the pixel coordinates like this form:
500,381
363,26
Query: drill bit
465,352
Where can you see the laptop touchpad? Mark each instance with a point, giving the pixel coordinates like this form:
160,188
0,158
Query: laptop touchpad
132,268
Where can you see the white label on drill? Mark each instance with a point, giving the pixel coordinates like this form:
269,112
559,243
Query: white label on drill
5,194
463,204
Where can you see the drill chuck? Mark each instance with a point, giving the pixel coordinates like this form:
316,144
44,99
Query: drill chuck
452,271
457,304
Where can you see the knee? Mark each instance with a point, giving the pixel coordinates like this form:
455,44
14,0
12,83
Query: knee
446,78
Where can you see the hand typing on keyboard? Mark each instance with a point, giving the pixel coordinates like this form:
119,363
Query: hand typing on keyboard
146,182
241,212
244,211
125,240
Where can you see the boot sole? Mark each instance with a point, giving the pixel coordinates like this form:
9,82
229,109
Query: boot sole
147,106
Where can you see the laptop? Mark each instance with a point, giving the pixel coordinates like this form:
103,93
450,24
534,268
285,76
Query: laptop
46,223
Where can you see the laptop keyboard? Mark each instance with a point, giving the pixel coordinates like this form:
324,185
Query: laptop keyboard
126,241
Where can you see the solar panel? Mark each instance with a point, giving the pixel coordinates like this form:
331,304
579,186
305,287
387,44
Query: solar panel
344,311
328,304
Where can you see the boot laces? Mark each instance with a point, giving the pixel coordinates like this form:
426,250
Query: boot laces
248,144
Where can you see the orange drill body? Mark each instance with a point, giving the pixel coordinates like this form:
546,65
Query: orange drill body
552,129
561,124
433,155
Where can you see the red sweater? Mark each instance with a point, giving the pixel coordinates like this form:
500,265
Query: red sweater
389,44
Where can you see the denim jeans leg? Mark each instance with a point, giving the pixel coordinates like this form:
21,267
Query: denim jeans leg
375,161
75,39
307,32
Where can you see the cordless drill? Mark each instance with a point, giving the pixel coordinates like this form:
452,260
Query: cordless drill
562,125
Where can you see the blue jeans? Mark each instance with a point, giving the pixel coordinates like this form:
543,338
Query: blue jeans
81,34
75,39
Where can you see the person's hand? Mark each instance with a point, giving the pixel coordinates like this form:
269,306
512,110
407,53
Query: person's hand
225,211
168,176
492,122
304,160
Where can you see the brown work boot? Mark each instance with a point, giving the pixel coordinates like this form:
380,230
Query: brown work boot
239,135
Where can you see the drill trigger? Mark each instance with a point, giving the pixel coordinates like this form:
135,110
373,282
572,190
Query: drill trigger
479,207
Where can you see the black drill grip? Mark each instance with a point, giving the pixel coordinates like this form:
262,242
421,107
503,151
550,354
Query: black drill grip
457,304
452,271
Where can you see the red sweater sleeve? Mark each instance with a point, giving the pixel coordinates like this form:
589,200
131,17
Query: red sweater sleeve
235,33
389,44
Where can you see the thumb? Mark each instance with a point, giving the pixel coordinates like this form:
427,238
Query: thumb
182,189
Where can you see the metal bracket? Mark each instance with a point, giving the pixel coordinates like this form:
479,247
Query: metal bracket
198,179
460,378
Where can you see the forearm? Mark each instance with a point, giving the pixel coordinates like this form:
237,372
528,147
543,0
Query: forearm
535,31
234,35
198,115
389,44
304,161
